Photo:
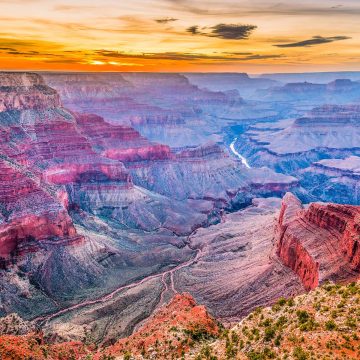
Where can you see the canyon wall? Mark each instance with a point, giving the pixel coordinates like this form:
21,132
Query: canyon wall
320,242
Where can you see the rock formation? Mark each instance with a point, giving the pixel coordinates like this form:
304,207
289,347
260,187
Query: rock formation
21,91
319,243
182,322
334,179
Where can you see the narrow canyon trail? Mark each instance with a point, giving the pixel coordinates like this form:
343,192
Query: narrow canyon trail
44,319
236,153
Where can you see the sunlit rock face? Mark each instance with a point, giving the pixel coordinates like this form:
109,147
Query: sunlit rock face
22,91
319,243
30,211
118,142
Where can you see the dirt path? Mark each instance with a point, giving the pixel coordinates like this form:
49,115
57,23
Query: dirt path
44,319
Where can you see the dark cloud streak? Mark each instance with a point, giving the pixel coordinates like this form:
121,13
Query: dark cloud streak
232,31
315,40
224,31
178,56
166,20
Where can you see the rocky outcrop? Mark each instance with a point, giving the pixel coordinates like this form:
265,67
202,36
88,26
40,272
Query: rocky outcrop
76,87
120,142
22,91
28,213
320,242
181,322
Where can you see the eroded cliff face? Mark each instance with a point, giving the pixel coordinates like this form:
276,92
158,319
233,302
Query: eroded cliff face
29,214
320,242
21,91
118,142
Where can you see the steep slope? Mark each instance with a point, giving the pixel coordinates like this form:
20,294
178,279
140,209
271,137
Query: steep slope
319,243
173,330
237,269
323,324
25,90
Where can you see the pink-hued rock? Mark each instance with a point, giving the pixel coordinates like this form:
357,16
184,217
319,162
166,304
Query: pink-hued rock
28,213
22,91
150,152
121,143
77,172
320,242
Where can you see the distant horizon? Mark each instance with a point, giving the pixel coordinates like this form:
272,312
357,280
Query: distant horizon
180,72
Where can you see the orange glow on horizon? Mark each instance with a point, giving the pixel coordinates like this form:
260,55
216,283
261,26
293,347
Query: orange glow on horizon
179,36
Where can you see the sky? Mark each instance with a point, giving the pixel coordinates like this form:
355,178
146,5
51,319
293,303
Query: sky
254,36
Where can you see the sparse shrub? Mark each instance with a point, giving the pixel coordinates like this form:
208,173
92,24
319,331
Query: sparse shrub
303,316
300,354
351,322
281,302
291,302
206,353
330,325
277,341
198,333
269,333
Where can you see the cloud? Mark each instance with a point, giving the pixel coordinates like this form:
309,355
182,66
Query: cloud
237,53
232,31
231,8
179,56
259,57
225,31
62,61
315,40
74,7
193,30
166,20
7,49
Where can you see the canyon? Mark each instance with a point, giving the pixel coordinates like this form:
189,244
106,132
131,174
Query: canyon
126,196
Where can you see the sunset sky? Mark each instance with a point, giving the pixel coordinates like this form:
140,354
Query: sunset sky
255,36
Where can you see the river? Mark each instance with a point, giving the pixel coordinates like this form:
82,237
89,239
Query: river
242,158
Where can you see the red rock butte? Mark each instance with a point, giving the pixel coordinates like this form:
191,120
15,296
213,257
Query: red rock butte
319,243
